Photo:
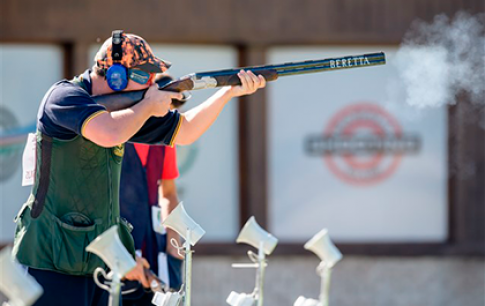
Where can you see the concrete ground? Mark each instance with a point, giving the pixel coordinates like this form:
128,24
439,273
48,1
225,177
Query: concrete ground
363,281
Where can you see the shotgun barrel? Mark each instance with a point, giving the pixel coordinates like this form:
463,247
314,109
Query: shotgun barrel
311,66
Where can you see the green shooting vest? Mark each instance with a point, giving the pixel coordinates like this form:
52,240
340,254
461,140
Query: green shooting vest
74,199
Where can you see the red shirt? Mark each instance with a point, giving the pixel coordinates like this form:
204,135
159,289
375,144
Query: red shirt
170,169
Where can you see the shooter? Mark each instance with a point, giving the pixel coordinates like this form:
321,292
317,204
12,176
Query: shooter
80,146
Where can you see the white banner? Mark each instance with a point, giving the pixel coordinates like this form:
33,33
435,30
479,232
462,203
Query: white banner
346,155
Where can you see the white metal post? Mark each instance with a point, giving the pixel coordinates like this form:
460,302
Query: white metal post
188,270
325,273
260,274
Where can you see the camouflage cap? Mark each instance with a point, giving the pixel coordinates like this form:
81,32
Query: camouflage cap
136,54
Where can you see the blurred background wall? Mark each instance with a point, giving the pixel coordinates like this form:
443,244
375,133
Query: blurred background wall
410,224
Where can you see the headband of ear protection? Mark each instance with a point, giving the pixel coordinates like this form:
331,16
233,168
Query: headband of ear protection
117,75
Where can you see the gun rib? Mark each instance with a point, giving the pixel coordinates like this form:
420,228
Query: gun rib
311,66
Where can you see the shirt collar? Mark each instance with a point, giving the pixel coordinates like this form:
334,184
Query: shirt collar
86,80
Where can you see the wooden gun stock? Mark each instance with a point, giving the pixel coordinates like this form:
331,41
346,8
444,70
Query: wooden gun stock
122,100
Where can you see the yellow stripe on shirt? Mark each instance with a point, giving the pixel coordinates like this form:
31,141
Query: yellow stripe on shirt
176,130
93,115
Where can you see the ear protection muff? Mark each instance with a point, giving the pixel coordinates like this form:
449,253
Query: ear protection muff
116,75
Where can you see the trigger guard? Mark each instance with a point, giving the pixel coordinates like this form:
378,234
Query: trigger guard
187,95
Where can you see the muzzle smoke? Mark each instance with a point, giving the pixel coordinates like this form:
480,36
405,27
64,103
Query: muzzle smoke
438,61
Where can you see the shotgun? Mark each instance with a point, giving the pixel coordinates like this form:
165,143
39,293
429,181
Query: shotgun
228,77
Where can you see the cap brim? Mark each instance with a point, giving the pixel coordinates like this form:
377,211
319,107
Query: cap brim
156,66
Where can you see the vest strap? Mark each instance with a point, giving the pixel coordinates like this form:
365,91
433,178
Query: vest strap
45,171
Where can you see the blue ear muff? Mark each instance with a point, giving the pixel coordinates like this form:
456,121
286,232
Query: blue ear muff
116,77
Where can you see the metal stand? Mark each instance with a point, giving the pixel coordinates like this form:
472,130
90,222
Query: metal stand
259,262
188,270
325,273
185,290
113,287
260,275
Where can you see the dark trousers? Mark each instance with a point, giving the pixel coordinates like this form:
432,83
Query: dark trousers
139,298
63,290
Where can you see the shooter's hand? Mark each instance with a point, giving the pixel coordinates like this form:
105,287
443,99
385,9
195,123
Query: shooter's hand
160,100
250,83
138,273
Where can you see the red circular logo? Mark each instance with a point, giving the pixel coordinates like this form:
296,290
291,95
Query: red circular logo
363,144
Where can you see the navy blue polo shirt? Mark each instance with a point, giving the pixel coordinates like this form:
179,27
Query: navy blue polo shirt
67,106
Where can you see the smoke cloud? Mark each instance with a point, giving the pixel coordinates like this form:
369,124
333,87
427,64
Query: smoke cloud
440,60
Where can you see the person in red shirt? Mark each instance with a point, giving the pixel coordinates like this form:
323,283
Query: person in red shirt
147,196
167,189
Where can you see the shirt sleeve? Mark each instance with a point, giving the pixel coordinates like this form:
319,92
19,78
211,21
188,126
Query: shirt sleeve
65,110
170,169
160,130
